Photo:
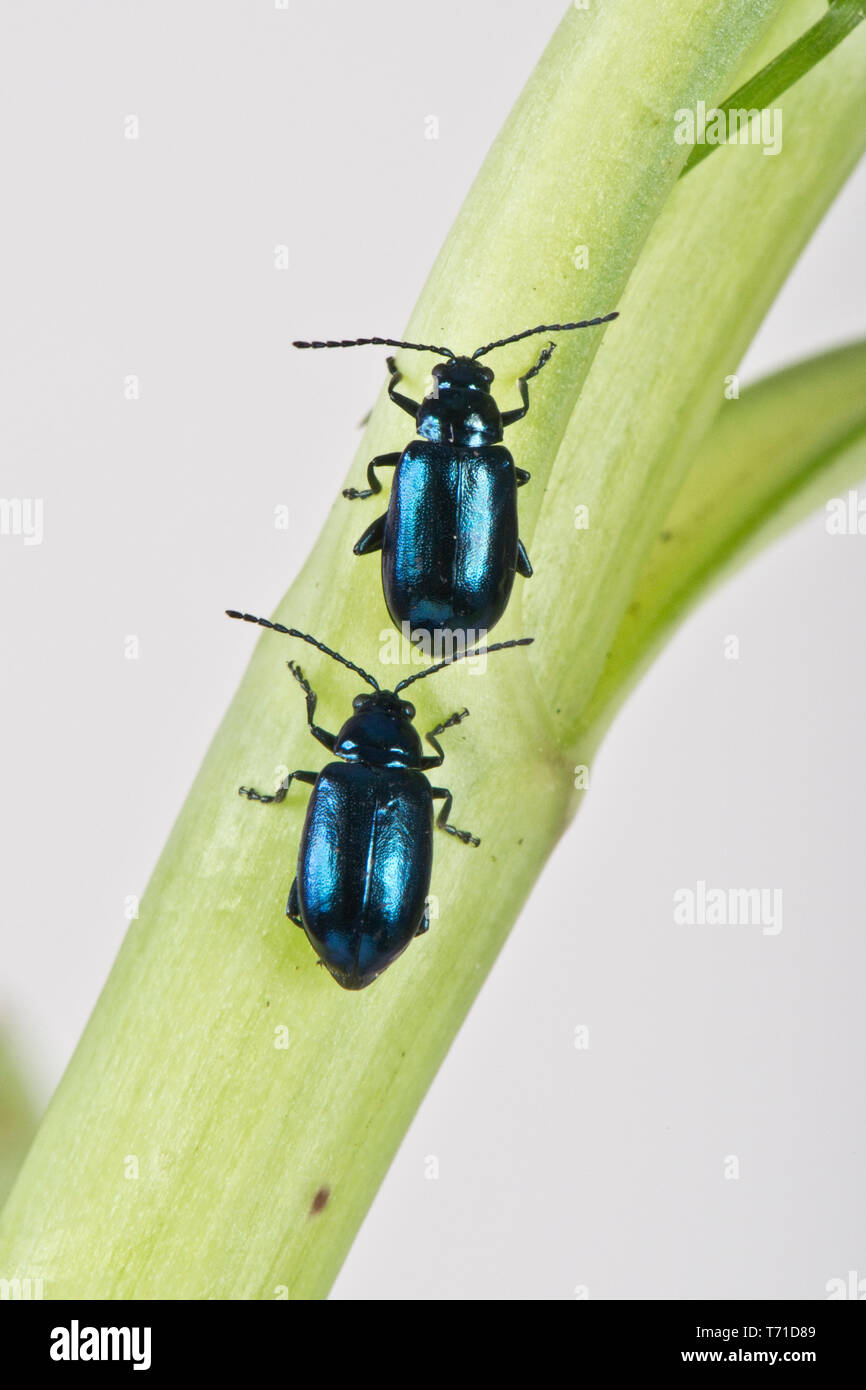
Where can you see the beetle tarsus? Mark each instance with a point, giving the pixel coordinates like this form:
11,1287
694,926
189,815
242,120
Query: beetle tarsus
280,794
267,800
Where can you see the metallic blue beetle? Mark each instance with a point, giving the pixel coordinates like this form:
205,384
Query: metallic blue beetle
449,539
366,852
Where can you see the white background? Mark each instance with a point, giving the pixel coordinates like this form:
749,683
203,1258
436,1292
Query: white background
558,1167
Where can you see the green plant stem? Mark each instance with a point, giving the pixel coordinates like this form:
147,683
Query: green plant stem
17,1117
184,1151
716,258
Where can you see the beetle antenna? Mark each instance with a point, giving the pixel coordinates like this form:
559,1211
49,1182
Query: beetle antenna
376,342
461,656
305,637
545,328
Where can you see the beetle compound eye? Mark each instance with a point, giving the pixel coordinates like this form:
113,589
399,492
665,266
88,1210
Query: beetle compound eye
408,710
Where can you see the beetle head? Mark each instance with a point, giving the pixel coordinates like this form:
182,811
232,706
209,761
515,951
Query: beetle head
459,409
461,373
380,732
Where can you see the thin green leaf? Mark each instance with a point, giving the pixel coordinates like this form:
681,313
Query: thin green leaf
782,72
788,444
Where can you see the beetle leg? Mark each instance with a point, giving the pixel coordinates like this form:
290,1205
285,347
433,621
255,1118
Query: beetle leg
381,461
510,417
522,476
280,794
293,906
523,565
372,537
442,818
429,762
424,924
405,402
321,734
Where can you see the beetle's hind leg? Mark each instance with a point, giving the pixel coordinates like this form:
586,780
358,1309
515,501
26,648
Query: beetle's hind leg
523,475
280,794
381,461
442,818
372,537
293,906
523,565
424,924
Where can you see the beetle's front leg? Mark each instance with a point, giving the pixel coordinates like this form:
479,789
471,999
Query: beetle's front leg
442,818
428,762
381,461
280,794
405,402
321,734
510,417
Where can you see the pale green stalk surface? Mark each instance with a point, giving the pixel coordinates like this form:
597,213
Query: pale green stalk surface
178,1076
17,1119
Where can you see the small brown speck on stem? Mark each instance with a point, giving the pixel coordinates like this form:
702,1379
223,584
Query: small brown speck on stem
320,1201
